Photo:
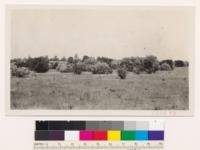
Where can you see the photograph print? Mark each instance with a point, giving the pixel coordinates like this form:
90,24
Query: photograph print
100,57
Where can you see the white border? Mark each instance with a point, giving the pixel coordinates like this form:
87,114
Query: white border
95,112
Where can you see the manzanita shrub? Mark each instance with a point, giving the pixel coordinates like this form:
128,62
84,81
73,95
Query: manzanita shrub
101,68
122,73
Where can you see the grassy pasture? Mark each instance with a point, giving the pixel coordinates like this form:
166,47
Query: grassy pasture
164,90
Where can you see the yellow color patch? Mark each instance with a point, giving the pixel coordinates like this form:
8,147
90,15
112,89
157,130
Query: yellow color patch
114,135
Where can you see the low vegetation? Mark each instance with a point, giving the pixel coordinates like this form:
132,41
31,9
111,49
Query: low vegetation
19,72
169,62
78,68
165,67
101,68
64,67
180,63
100,65
122,73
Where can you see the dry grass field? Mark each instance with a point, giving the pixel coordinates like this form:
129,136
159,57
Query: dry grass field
164,90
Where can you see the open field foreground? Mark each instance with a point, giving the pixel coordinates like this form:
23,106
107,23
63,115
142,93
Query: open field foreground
164,90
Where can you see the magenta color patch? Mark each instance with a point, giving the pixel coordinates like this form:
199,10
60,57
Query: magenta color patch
86,135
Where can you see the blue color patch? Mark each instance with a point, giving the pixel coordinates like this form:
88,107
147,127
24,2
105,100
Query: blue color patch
141,135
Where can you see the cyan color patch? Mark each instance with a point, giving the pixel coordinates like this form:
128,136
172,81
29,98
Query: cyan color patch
141,135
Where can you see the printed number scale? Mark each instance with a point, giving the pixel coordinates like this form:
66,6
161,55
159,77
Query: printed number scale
79,145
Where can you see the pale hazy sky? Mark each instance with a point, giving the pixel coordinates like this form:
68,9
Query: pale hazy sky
104,31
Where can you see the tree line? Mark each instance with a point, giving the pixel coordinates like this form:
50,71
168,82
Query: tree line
100,65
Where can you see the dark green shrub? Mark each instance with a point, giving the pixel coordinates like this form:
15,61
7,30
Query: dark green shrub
53,64
39,64
13,69
76,59
137,60
55,58
105,60
127,63
78,68
89,67
65,67
20,72
138,66
156,66
169,62
165,67
59,65
70,60
63,59
19,62
115,64
151,64
138,69
122,73
179,63
89,63
85,57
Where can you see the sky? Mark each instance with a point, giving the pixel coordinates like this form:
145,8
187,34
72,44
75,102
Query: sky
116,32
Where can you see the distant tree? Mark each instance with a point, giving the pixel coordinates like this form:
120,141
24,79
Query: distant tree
78,68
138,69
19,62
137,60
101,68
65,67
85,57
76,59
76,56
138,65
70,60
127,63
90,61
63,59
105,60
53,64
151,64
115,64
55,58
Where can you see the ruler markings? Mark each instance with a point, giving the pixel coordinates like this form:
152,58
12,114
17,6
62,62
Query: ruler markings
99,135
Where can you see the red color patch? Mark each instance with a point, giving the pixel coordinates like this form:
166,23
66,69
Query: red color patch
100,135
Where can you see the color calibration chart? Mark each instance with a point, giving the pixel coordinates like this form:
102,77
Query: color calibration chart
101,135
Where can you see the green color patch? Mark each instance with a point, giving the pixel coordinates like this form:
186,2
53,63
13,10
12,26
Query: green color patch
127,135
